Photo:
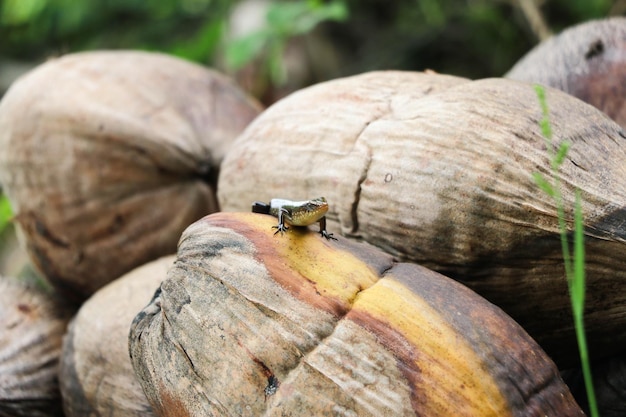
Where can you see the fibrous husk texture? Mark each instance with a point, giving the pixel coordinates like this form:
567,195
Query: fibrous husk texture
248,323
32,324
439,171
107,156
96,374
587,61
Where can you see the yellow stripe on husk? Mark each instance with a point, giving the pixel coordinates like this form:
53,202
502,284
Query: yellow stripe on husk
335,273
448,376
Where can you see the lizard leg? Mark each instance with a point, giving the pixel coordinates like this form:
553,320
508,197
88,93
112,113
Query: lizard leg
281,227
323,231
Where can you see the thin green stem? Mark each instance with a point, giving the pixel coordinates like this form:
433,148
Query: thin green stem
567,261
586,367
577,291
574,260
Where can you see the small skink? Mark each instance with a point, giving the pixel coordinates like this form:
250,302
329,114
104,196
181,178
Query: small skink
296,213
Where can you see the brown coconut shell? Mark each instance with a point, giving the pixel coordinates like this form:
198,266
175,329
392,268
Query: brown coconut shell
439,171
96,374
250,323
32,324
107,156
587,61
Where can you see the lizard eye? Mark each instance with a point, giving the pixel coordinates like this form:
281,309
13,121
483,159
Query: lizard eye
312,205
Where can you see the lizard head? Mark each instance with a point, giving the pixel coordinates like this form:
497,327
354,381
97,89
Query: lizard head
310,212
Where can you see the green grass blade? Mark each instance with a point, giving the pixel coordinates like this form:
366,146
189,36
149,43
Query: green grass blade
574,261
546,127
578,281
543,183
567,256
577,293
560,155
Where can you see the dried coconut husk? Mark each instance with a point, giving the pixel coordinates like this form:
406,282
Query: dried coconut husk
249,323
96,374
32,324
446,180
107,156
587,61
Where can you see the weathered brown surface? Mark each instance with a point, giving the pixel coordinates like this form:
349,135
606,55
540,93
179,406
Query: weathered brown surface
446,180
107,156
250,323
32,324
96,374
587,61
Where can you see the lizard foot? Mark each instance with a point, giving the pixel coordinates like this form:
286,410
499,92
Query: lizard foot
280,228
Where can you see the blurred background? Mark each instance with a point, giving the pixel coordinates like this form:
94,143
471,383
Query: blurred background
274,47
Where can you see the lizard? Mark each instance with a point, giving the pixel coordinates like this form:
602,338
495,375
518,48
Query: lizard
296,213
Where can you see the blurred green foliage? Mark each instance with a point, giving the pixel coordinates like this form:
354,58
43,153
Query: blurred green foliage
35,29
5,212
283,22
477,38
